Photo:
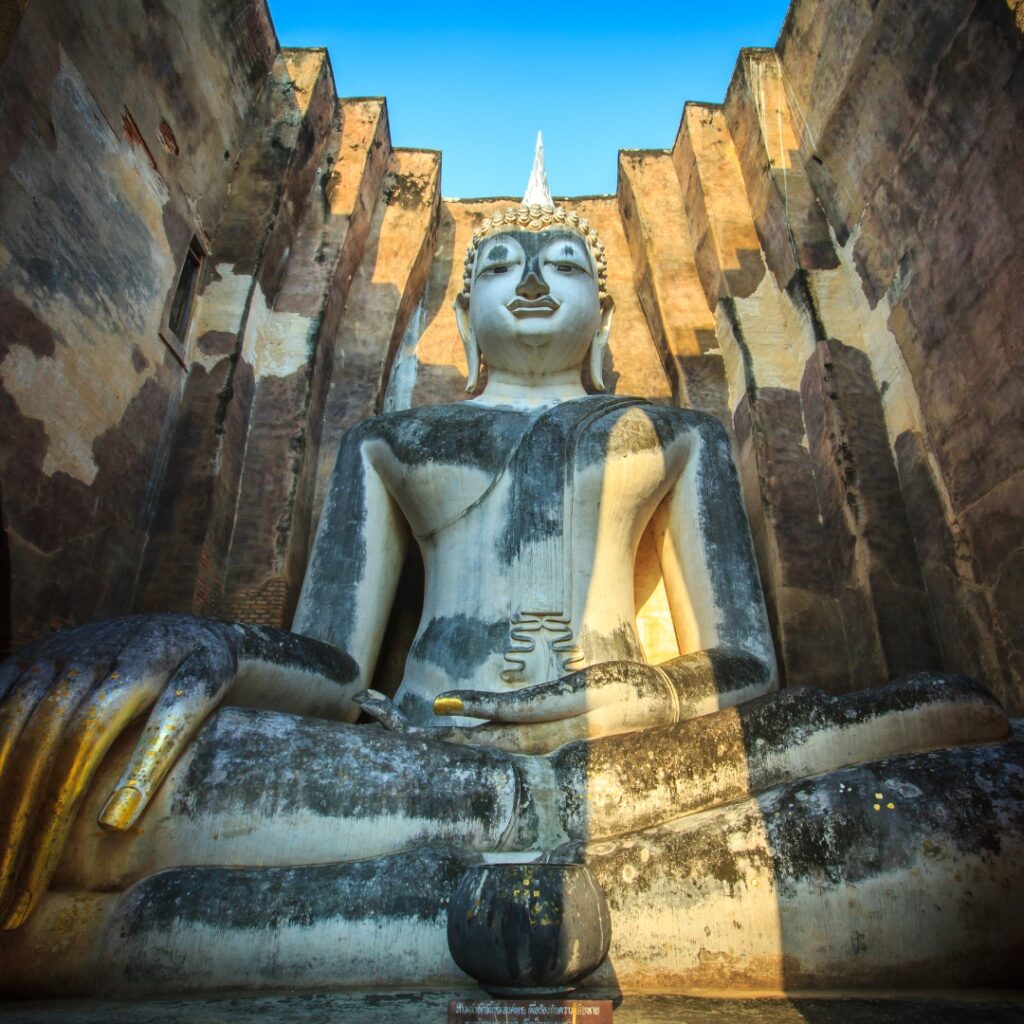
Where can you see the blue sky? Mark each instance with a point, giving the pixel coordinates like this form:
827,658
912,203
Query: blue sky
477,80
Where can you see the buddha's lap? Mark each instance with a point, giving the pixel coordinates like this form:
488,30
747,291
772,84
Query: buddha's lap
945,839
261,787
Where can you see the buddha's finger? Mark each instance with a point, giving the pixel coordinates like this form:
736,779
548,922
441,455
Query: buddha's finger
563,698
634,688
19,666
95,726
202,667
37,670
544,737
22,699
536,738
382,710
197,686
28,761
10,672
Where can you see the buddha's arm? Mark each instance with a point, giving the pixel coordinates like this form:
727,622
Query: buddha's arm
64,701
711,580
331,652
329,655
357,557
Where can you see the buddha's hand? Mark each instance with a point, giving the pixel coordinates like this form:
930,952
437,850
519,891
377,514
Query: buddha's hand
601,700
64,700
606,699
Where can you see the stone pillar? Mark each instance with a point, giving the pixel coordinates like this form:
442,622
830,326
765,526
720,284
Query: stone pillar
909,129
883,606
765,340
429,366
878,582
789,221
386,290
633,365
185,560
294,362
667,282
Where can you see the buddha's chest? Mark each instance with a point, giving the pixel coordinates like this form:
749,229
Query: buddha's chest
608,474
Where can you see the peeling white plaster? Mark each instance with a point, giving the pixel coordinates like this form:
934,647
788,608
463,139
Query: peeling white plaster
220,308
778,337
847,316
285,344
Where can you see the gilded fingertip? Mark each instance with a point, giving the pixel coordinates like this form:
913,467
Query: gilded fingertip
19,912
119,811
448,706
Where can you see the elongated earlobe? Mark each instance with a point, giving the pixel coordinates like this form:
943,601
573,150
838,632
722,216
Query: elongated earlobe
469,345
599,346
472,362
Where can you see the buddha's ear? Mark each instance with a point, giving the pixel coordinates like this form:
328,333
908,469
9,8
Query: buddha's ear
599,345
468,341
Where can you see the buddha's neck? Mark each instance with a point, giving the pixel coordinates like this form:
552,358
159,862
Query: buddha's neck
505,387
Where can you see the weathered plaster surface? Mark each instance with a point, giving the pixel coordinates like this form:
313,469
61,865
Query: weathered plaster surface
83,392
102,159
918,194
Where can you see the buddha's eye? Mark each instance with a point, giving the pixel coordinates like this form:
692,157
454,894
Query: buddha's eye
497,270
565,268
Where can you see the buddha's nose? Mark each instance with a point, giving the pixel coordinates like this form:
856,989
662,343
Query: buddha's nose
532,284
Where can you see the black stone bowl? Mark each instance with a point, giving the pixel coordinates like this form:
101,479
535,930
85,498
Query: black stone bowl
528,929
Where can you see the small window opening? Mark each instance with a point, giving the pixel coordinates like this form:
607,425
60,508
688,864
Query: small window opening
185,293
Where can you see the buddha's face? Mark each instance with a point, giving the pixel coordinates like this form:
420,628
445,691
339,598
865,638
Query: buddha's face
534,305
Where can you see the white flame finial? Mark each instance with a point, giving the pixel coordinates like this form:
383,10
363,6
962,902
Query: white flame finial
538,192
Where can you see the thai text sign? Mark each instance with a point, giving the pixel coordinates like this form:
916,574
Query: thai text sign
525,1011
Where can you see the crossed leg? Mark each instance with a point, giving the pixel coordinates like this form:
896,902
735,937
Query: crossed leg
288,836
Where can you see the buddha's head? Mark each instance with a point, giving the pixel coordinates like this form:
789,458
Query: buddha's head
533,298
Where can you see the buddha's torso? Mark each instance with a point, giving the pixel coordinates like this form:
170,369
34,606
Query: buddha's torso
528,569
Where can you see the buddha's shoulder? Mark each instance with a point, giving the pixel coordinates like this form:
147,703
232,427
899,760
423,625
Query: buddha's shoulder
641,424
459,432
686,422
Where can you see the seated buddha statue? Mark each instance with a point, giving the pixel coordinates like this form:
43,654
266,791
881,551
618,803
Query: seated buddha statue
190,804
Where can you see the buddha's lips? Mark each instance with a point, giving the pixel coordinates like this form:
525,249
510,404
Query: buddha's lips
532,307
